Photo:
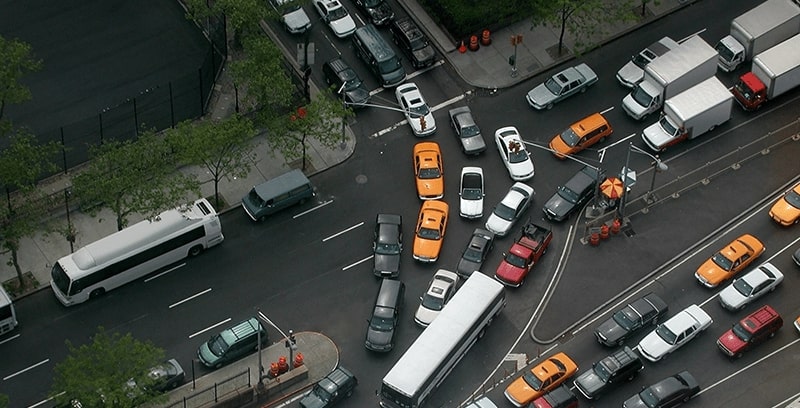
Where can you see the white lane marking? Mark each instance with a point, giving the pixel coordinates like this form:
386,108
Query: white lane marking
357,263
9,339
312,209
735,373
209,328
26,369
404,121
190,298
165,272
343,231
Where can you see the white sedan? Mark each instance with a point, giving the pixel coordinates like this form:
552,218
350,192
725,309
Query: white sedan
471,192
417,112
337,17
674,333
510,209
750,287
441,288
512,151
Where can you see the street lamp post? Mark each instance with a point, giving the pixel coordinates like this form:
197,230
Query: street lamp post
344,108
658,166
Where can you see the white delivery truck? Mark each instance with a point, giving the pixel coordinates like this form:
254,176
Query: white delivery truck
8,317
757,30
774,71
633,72
690,114
670,74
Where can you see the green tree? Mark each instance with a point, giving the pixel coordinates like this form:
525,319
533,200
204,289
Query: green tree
3,401
17,61
267,87
321,119
133,176
220,147
586,20
242,16
21,165
96,374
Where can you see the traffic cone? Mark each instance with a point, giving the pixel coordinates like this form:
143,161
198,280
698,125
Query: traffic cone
462,48
485,38
473,43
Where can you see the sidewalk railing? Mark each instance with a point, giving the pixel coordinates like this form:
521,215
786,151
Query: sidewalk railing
217,392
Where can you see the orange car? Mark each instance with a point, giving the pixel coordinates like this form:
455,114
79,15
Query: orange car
786,211
542,378
582,134
729,261
428,171
430,230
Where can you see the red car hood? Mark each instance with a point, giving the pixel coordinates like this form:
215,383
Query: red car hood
509,273
731,342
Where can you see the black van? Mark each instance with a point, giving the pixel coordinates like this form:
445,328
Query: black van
379,56
385,315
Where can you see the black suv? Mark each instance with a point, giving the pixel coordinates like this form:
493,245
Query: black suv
333,388
413,42
388,245
622,365
379,12
336,73
572,195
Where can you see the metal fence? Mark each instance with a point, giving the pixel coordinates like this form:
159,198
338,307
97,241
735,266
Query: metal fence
216,392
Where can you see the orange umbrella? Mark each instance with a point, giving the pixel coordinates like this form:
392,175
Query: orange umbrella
612,188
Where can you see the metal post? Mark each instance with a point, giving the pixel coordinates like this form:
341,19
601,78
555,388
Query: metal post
624,199
344,113
649,197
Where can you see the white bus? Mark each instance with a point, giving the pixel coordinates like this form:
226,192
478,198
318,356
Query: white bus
8,317
442,344
135,251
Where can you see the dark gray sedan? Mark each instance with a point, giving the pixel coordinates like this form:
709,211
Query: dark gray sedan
669,392
475,253
642,312
388,245
561,86
467,131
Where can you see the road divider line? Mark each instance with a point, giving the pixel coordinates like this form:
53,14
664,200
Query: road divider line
312,209
344,231
9,339
209,328
735,373
357,263
165,272
45,361
190,298
404,121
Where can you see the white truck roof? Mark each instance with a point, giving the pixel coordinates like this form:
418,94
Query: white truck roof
690,53
698,98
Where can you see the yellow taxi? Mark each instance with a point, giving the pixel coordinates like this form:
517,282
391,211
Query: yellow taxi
430,230
729,261
786,211
428,171
582,134
542,378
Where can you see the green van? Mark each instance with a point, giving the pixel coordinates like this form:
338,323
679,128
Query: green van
232,343
283,191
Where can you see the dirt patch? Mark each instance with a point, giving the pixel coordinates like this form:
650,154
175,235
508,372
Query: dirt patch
15,290
552,51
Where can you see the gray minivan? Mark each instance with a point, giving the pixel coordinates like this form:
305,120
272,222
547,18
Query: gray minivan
283,191
379,56
385,315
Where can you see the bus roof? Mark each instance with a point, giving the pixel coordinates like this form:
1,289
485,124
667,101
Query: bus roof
439,339
136,236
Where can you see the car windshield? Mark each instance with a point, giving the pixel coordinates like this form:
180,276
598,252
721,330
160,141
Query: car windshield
741,333
569,137
323,394
469,131
352,81
472,254
431,173
724,53
640,60
338,13
793,199
428,233
518,156
217,345
666,125
389,65
649,399
531,379
623,318
387,249
419,110
567,194
666,334
515,260
641,96
418,43
471,194
743,287
380,323
553,86
602,371
432,302
722,261
505,212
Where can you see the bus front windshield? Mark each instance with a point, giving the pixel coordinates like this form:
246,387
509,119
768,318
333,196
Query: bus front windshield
60,278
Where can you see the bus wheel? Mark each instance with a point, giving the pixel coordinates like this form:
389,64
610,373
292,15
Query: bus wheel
195,250
97,293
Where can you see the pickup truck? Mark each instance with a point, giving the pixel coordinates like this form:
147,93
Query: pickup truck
524,253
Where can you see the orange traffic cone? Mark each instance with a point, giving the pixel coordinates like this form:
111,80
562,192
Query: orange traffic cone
462,48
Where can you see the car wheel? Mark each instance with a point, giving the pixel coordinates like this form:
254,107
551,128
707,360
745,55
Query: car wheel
583,89
195,250
349,393
97,293
549,106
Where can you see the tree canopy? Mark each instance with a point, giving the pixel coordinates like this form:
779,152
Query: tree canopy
17,61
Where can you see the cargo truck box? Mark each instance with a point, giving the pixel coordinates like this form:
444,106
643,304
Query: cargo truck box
774,72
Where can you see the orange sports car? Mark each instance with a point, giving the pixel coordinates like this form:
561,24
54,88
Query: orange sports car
729,261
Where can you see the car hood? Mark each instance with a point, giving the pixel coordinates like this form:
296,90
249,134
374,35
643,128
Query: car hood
784,211
379,338
498,225
387,263
430,187
731,297
427,247
310,400
510,274
424,54
206,356
653,345
521,392
425,316
541,95
430,125
297,20
558,207
380,14
343,26
630,74
732,342
466,268
521,170
560,147
611,331
358,96
712,273
473,144
471,208
590,383
634,402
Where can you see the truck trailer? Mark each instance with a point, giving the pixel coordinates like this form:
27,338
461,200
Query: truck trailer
690,114
757,30
670,74
774,72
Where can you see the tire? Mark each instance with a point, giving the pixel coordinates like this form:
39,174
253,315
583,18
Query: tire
349,393
262,218
303,201
97,293
584,89
195,250
549,106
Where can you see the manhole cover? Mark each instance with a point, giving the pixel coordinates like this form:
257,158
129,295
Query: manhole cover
361,179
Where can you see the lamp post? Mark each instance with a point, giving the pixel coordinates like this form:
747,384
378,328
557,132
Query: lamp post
344,109
290,343
658,165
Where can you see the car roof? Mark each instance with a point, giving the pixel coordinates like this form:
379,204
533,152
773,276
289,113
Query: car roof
568,75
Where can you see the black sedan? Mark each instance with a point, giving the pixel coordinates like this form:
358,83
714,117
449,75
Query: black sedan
669,392
475,253
644,311
572,195
388,245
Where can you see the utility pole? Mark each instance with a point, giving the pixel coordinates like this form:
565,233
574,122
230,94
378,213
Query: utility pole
516,39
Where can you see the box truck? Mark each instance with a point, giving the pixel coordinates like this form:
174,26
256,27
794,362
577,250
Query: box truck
757,30
774,71
670,74
690,114
633,72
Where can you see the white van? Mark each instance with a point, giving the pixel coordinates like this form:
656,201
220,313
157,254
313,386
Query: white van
8,317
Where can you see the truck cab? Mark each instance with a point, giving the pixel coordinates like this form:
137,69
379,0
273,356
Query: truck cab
750,92
523,254
731,53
